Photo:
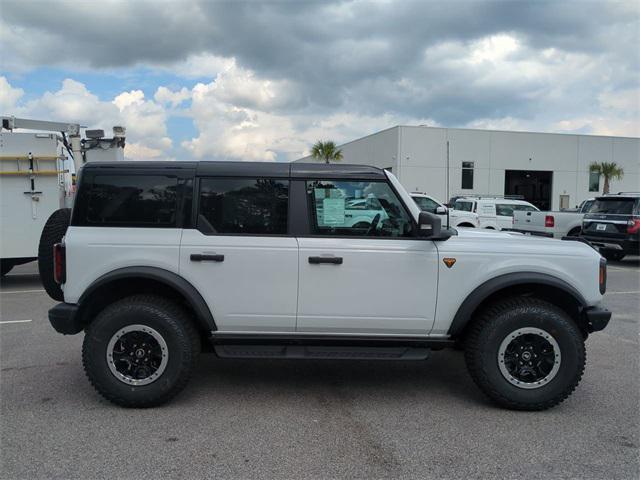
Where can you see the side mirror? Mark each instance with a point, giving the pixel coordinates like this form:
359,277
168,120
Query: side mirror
441,211
429,225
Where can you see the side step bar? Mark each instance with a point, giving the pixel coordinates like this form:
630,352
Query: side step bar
321,353
330,347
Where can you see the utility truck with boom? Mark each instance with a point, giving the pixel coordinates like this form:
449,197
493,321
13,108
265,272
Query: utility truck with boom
36,181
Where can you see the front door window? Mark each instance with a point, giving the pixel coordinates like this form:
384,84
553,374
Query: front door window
353,208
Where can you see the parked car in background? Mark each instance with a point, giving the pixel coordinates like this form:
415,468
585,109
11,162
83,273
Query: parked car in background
457,218
551,224
613,225
494,213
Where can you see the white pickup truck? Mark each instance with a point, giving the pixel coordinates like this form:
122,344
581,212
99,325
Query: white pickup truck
551,224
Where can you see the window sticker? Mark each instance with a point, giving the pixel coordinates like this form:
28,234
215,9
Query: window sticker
333,210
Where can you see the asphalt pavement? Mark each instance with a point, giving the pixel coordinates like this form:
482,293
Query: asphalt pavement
312,419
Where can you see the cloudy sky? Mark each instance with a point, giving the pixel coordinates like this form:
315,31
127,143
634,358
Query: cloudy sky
264,80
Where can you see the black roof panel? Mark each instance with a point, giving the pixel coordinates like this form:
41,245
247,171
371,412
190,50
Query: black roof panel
246,169
243,169
335,170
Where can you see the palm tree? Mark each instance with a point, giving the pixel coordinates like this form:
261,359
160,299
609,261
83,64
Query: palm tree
609,170
326,151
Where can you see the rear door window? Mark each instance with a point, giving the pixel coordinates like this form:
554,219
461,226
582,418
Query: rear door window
131,201
243,206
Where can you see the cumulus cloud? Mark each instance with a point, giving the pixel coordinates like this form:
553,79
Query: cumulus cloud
73,102
9,96
262,80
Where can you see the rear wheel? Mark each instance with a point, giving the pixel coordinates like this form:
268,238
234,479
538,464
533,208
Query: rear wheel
615,255
52,233
525,354
140,351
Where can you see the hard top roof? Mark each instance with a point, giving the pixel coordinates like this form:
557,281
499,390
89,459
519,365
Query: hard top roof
251,169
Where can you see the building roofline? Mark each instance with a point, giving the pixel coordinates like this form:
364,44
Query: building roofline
507,131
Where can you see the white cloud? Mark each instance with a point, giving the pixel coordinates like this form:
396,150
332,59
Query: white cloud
9,96
73,102
165,96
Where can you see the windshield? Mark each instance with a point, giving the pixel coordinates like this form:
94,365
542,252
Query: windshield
617,206
426,204
463,205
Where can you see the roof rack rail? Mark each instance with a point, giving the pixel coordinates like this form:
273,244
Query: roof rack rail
491,195
620,193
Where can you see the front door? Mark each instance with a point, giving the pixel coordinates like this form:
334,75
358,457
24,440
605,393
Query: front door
372,277
240,258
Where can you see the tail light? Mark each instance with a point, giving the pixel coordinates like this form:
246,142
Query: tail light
549,221
633,226
59,263
602,276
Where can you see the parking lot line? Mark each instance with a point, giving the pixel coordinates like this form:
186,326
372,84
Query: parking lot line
22,291
622,293
15,321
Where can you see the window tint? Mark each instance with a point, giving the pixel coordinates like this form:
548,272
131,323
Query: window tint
620,206
132,200
467,175
426,204
356,209
243,206
504,210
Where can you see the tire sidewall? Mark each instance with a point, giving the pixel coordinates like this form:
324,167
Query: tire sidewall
113,319
552,321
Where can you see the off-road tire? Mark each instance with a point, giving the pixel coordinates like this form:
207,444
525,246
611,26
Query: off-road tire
170,321
52,233
500,319
614,255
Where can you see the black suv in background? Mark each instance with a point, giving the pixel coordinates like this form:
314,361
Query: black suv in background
613,225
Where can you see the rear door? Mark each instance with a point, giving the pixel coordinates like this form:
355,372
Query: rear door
367,279
240,257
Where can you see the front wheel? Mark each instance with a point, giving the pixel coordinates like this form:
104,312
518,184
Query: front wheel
525,354
140,351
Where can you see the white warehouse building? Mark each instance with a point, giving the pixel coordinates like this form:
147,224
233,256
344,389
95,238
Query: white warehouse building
549,170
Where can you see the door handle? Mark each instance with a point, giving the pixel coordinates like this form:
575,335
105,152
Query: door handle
331,260
205,257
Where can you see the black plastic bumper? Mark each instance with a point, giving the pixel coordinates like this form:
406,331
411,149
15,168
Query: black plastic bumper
597,318
626,245
63,317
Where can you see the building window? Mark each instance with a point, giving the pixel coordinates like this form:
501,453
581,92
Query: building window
467,175
594,182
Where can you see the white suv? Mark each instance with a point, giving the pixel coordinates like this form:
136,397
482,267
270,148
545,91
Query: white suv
457,218
494,213
260,260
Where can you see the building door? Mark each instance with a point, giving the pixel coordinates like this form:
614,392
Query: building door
533,186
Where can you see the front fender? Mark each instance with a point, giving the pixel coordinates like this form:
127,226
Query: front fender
482,292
